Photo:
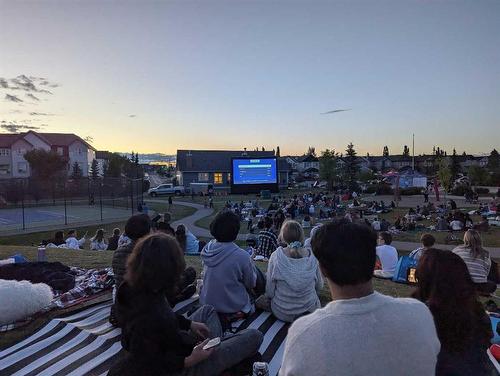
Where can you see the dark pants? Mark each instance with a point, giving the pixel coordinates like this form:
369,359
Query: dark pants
233,349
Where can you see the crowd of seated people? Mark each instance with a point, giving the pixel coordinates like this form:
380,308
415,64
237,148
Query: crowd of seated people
156,340
425,336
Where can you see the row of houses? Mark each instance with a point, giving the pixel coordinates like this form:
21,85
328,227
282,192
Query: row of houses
13,147
310,163
214,166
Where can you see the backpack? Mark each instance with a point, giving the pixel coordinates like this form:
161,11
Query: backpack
403,267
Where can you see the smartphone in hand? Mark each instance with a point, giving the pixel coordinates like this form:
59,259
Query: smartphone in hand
212,343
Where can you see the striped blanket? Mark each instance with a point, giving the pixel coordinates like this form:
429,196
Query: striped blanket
85,343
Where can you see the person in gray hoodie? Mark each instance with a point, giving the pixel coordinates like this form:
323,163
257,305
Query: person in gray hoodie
229,272
293,276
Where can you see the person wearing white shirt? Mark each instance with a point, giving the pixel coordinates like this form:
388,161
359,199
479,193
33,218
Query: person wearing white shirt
376,224
387,255
72,242
360,332
98,243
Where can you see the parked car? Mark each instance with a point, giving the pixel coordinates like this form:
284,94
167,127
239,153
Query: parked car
166,189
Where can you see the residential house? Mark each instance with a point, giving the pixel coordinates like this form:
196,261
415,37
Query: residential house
214,167
13,147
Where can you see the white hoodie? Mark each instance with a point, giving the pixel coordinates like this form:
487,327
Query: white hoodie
74,243
292,284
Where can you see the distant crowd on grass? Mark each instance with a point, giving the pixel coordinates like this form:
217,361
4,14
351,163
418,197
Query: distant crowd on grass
189,243
311,208
443,329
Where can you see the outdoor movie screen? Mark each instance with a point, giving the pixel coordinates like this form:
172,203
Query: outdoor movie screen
254,171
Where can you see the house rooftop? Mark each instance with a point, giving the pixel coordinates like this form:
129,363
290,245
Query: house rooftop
53,139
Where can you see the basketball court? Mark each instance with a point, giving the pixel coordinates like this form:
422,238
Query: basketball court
47,216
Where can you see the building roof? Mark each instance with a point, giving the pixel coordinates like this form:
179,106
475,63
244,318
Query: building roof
53,139
219,160
8,139
309,158
63,139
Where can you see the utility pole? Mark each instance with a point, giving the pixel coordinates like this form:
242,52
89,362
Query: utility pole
413,152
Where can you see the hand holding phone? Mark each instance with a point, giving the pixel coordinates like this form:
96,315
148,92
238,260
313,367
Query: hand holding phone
212,343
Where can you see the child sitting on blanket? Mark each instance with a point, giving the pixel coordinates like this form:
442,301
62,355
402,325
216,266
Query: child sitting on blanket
293,276
155,339
229,272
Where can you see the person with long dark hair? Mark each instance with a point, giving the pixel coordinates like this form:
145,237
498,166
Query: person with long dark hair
462,324
98,242
158,341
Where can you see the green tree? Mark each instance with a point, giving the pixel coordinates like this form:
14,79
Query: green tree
444,174
46,164
455,165
328,167
115,165
76,171
478,175
105,169
311,150
385,153
494,161
366,175
406,151
94,169
351,167
136,160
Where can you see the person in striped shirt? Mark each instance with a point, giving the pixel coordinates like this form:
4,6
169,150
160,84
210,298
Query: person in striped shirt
478,261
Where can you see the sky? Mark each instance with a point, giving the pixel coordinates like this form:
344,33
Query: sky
157,76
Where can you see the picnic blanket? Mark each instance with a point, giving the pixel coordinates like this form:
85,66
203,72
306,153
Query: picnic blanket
88,285
85,343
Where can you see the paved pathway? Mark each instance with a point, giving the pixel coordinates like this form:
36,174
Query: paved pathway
203,212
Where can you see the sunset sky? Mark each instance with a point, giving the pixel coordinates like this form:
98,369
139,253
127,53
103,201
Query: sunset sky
155,76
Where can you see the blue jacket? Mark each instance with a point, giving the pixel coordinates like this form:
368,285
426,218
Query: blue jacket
228,274
192,244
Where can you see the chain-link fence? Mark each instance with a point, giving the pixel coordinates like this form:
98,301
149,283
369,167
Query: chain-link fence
32,203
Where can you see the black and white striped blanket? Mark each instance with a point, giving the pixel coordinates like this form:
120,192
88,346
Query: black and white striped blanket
85,343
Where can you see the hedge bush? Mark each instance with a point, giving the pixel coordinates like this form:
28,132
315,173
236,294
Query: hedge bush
380,189
482,191
460,190
411,191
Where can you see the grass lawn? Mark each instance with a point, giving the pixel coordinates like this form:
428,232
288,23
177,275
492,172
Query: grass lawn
177,211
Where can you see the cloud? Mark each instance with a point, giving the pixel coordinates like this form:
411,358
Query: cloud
23,82
132,116
29,95
40,114
13,127
12,98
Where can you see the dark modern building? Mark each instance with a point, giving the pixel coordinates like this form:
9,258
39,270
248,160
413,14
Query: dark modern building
214,167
